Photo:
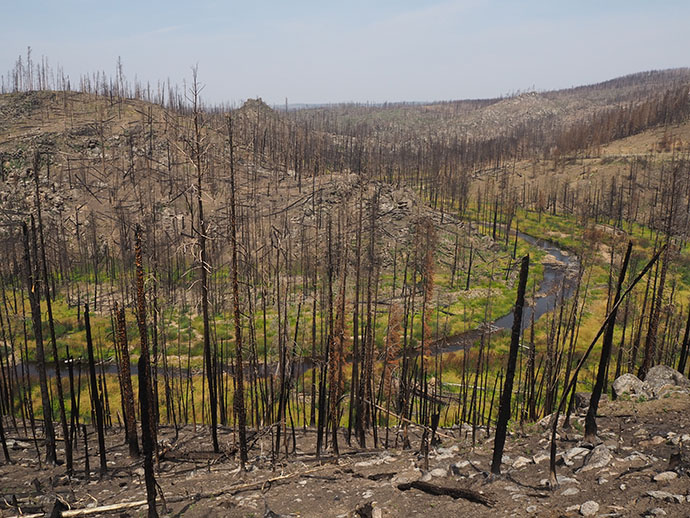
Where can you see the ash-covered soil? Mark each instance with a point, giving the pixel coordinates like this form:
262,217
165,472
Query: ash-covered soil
640,468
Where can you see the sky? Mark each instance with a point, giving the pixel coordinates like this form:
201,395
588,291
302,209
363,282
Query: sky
322,51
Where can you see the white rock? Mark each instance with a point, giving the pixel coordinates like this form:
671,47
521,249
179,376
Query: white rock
570,491
540,457
666,476
531,509
521,462
438,472
562,480
589,508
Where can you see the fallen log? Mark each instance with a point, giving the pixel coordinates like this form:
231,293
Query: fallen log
259,484
453,492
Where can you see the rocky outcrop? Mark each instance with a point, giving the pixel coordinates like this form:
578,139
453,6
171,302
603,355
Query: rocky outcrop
660,380
663,379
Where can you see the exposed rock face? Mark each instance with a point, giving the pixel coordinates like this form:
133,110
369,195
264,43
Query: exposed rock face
661,380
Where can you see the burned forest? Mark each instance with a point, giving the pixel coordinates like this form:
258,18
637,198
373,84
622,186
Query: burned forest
476,306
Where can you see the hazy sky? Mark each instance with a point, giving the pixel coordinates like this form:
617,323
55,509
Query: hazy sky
353,50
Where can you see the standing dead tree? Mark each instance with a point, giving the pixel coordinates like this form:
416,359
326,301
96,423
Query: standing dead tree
126,380
590,420
34,291
239,377
506,394
553,480
95,396
143,333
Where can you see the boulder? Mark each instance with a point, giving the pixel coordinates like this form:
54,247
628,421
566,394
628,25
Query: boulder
632,385
666,476
589,508
599,457
662,379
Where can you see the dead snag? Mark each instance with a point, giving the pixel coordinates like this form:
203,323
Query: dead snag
590,420
143,330
504,408
33,289
239,408
95,398
51,324
553,480
147,436
5,451
128,392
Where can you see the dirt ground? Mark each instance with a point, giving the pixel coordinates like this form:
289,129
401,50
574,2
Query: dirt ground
644,439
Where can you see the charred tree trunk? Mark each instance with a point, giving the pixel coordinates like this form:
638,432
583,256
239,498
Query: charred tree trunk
239,378
127,392
147,435
95,398
34,292
590,419
506,394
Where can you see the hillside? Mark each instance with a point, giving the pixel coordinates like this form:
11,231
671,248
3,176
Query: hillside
323,304
489,118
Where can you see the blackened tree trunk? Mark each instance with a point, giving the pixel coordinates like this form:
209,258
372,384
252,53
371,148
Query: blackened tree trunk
590,419
504,409
239,377
147,435
51,326
651,341
34,292
684,350
143,331
95,398
127,391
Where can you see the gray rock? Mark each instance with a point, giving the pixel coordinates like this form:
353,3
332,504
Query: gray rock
599,457
521,462
589,508
666,476
632,385
531,509
574,453
405,477
656,511
459,467
438,472
661,495
570,491
662,378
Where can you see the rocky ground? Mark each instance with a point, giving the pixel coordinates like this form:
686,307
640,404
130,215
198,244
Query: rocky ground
640,468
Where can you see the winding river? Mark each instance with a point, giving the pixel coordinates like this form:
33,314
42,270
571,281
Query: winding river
559,280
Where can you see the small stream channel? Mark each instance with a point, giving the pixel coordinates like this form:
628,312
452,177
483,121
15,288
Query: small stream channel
559,278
